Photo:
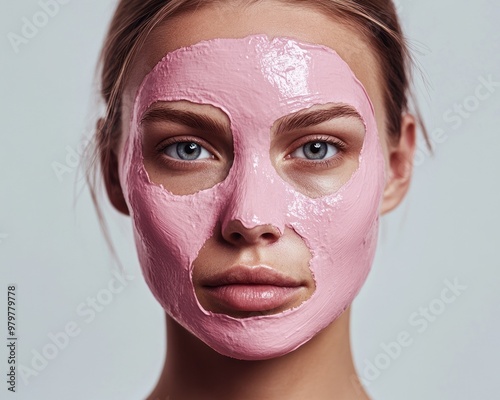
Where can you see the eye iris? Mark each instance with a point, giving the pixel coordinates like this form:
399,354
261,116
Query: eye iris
315,150
188,150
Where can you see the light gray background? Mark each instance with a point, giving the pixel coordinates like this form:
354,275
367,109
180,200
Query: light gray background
448,228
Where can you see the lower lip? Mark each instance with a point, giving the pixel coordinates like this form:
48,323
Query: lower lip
253,297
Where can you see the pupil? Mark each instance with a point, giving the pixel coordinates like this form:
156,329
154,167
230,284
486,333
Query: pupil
190,148
316,150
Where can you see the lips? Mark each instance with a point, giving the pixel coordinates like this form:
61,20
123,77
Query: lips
251,289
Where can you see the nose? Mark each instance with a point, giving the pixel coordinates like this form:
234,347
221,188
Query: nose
254,211
237,234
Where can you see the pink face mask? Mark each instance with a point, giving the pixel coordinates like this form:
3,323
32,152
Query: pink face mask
255,81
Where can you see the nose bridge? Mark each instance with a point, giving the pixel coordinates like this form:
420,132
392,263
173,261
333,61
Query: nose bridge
258,197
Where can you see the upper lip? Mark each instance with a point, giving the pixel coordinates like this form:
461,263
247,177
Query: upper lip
244,275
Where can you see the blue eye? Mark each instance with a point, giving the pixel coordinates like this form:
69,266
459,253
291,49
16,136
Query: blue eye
187,151
316,151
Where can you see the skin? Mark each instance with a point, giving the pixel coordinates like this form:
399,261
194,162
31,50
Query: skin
323,367
234,244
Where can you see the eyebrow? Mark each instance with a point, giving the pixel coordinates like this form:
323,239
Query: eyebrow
299,120
191,119
305,119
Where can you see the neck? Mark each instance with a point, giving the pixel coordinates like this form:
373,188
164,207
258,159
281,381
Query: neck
321,369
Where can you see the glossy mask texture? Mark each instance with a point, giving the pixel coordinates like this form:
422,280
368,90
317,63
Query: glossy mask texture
255,81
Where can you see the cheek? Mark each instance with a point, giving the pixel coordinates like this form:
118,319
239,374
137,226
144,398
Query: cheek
339,230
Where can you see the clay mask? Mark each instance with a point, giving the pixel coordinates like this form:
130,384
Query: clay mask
255,81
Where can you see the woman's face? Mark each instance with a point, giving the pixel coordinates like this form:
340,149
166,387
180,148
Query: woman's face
244,186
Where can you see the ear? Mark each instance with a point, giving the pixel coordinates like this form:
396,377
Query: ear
400,168
109,165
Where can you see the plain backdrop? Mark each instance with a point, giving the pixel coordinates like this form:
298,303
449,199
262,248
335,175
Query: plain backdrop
445,233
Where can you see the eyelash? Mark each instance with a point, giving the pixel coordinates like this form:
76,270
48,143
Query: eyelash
160,149
328,162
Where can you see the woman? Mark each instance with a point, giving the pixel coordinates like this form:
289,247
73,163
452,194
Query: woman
255,145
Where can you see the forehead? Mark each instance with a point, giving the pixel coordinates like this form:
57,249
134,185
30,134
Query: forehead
275,19
254,76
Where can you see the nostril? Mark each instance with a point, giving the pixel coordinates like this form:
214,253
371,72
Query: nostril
237,234
268,236
236,237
